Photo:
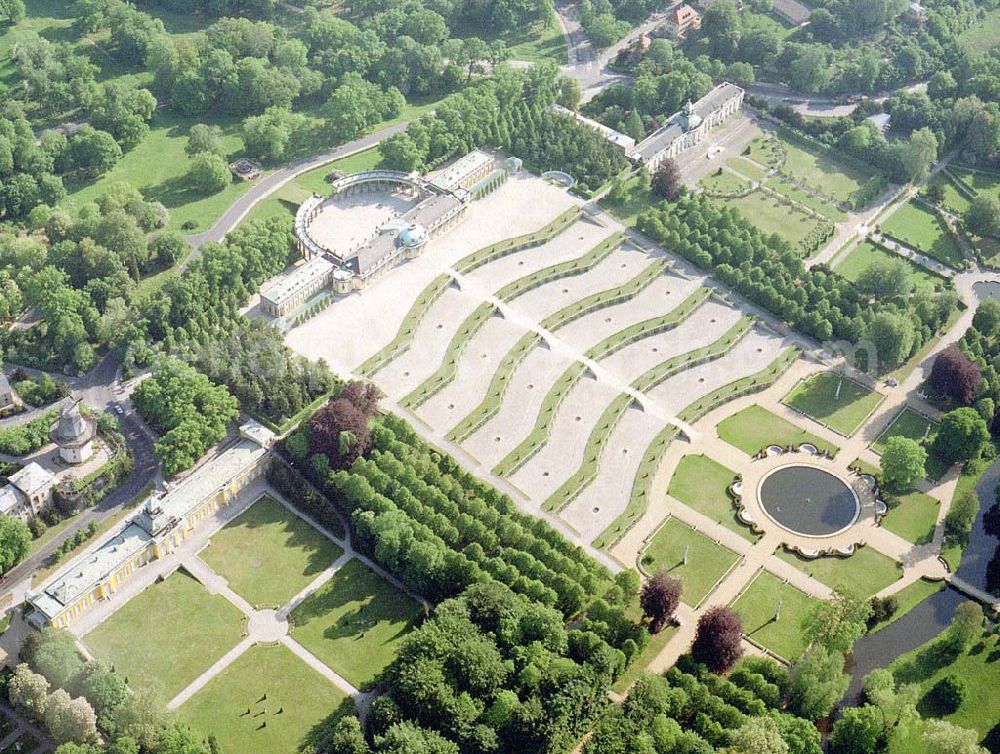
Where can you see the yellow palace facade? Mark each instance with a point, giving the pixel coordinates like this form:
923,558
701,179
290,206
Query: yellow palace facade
160,526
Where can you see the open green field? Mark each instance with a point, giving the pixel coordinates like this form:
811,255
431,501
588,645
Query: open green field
538,43
745,167
723,182
754,428
982,36
866,253
980,181
167,635
707,562
702,483
772,215
913,517
766,151
158,167
914,425
355,622
952,198
979,668
920,228
299,700
796,194
268,554
818,170
757,606
864,573
834,400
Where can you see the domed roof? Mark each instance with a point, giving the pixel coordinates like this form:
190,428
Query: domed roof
413,235
689,119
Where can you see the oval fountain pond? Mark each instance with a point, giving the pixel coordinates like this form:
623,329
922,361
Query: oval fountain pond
808,501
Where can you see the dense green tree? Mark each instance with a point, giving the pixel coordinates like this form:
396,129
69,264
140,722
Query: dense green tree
818,682
893,337
858,731
209,173
960,435
983,215
903,462
15,541
838,622
92,151
204,138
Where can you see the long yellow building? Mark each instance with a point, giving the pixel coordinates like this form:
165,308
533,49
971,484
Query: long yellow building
161,524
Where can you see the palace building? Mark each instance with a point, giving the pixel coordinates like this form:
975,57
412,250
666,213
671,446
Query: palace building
162,523
439,203
688,127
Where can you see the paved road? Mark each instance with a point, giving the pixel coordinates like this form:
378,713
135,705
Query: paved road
274,180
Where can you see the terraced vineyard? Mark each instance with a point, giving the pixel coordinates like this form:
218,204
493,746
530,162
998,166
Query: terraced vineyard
566,360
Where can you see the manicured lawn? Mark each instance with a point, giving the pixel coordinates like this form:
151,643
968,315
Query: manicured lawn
745,167
920,228
701,483
772,215
913,518
979,668
765,151
723,182
866,253
168,635
757,606
834,400
754,428
355,622
909,597
793,192
304,697
911,423
268,554
707,562
979,181
953,199
637,198
865,573
819,171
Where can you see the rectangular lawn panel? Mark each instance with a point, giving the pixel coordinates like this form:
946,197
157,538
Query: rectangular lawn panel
796,194
702,484
866,253
747,168
298,701
268,554
865,572
834,400
757,606
914,425
355,622
723,181
913,517
771,215
168,635
707,562
919,227
818,170
754,428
